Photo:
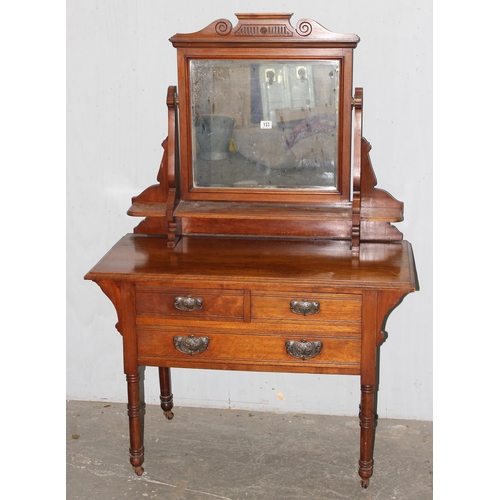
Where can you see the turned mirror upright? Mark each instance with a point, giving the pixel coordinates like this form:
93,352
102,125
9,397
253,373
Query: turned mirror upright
264,245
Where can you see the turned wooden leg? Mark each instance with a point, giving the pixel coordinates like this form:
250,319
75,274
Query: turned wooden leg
367,419
135,425
166,396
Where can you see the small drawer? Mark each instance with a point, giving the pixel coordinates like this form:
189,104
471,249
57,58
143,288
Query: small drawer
189,303
313,307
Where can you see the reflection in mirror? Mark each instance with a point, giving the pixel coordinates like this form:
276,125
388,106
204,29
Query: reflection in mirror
265,124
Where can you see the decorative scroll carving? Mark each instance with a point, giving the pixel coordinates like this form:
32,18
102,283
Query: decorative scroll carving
304,307
223,27
304,28
188,303
303,349
191,344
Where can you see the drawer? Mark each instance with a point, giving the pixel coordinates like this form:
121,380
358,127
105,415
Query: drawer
314,307
183,349
189,303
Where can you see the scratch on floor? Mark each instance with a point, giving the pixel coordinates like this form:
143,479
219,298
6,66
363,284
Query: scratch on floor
94,468
143,478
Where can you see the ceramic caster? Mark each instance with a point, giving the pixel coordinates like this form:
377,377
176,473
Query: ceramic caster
169,414
138,470
365,483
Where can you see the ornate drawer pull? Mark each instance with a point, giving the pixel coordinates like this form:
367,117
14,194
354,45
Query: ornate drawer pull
303,349
304,307
191,344
188,303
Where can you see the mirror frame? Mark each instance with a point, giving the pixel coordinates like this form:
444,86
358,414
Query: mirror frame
266,37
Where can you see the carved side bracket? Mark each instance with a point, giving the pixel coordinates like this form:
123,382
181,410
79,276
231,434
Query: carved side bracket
158,202
112,290
387,301
373,209
378,207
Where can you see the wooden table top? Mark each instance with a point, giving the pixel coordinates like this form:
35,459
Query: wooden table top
208,259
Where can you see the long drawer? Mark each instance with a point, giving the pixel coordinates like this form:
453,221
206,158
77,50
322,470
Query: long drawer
176,348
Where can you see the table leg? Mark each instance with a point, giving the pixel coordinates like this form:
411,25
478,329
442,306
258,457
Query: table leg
367,419
166,396
135,425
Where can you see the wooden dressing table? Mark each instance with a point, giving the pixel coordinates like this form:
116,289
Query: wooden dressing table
256,250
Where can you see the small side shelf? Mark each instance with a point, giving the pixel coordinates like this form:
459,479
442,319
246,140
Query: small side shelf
148,209
381,214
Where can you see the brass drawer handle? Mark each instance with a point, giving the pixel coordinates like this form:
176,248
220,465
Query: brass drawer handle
303,349
188,303
191,344
304,307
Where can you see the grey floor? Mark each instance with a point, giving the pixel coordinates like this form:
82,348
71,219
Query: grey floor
209,454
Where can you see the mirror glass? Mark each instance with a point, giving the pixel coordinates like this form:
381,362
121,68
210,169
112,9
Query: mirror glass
264,124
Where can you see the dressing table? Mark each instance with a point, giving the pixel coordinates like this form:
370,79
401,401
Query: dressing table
264,245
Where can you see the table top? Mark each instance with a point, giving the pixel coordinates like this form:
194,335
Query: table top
208,259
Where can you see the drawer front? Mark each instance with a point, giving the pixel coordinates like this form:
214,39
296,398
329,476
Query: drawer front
189,303
311,308
188,349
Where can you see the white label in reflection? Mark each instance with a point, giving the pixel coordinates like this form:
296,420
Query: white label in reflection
266,124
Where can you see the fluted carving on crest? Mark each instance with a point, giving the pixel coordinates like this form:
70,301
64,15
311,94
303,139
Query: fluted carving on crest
263,30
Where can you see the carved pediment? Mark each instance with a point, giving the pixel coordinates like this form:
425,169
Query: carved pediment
256,28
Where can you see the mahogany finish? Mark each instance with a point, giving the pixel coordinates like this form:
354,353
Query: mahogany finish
289,280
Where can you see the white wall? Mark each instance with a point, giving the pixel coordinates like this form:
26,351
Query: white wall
119,65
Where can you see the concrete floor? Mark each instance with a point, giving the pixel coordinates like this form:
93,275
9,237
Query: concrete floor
208,454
